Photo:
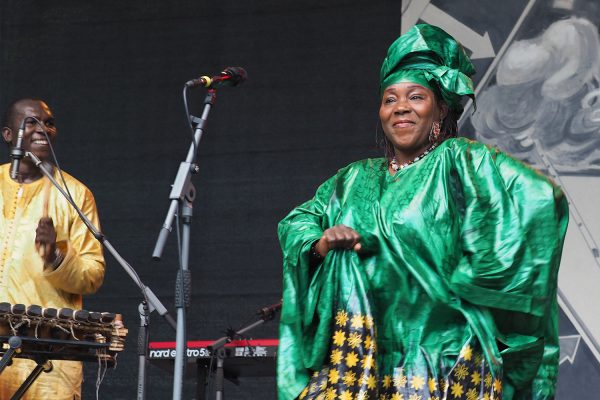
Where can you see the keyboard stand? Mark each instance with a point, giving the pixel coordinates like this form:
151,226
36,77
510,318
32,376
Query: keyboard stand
43,350
43,365
201,380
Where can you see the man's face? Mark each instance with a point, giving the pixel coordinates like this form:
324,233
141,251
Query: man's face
34,139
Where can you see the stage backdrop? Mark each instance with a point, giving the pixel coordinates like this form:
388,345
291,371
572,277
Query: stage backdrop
113,73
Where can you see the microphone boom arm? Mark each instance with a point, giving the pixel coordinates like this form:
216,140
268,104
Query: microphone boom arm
183,177
153,302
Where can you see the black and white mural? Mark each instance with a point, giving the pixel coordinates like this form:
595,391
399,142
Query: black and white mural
538,98
545,99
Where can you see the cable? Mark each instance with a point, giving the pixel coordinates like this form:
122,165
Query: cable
189,121
178,231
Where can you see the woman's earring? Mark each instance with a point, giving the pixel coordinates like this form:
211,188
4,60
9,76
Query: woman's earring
434,134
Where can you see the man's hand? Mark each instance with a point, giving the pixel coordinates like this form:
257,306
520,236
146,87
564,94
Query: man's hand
338,237
45,240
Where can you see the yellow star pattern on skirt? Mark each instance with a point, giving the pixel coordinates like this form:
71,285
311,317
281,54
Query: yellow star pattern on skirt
352,372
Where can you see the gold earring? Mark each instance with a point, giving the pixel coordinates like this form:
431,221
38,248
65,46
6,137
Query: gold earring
434,134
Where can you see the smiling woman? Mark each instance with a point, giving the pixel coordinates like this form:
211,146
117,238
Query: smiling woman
430,273
409,114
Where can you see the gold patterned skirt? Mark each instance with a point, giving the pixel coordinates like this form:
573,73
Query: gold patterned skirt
351,372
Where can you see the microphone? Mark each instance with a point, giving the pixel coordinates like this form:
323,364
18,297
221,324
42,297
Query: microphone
268,313
17,153
230,76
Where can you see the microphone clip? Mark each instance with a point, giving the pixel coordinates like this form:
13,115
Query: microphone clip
16,152
230,76
203,81
268,313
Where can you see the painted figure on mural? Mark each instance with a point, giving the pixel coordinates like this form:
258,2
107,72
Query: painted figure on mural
430,273
47,256
544,99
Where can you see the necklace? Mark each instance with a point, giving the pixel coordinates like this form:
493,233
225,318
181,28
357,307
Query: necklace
397,167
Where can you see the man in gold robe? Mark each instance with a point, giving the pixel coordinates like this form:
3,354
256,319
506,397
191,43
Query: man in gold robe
47,255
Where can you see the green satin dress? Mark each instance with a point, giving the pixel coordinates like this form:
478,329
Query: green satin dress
453,295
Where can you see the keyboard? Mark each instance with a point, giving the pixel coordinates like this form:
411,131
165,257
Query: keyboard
243,358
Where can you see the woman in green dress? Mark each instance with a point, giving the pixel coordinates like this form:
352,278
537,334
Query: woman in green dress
430,273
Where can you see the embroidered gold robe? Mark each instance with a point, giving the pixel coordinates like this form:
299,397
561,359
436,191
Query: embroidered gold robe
23,278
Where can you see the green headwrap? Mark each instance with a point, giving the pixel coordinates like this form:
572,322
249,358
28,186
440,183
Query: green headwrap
430,57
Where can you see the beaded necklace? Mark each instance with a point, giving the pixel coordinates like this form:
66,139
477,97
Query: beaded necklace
397,167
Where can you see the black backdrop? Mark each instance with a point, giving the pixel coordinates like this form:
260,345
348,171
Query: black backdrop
112,71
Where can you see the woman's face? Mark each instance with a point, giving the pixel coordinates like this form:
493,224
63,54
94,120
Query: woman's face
407,113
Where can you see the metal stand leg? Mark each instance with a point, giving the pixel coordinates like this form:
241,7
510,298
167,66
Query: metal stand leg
183,293
43,365
14,347
201,380
142,350
220,374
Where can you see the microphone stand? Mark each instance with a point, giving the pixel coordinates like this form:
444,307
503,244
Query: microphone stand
217,347
182,196
151,302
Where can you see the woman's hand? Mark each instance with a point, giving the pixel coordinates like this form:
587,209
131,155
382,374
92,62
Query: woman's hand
338,237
